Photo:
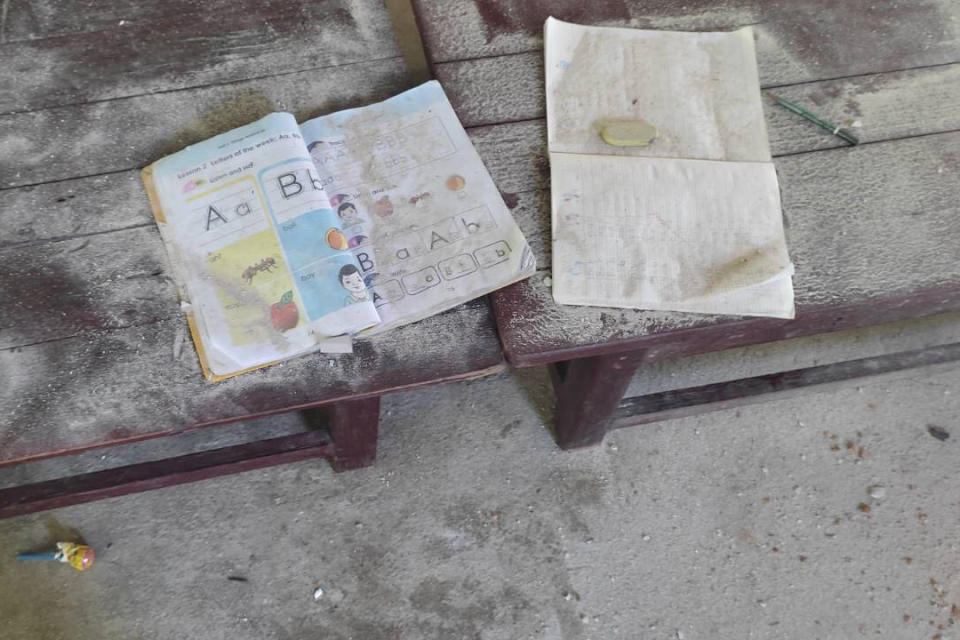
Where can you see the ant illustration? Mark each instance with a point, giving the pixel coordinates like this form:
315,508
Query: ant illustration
267,264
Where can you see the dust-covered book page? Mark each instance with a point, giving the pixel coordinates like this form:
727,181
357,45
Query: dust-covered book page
686,218
418,209
256,248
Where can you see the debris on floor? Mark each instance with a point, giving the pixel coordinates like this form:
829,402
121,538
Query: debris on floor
877,492
332,595
78,556
939,433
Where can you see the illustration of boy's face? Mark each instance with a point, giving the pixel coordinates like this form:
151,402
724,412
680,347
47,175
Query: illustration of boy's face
349,215
353,282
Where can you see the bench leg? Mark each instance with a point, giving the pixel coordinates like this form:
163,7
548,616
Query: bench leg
353,427
588,392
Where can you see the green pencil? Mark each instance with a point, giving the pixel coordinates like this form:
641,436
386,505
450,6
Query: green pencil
826,124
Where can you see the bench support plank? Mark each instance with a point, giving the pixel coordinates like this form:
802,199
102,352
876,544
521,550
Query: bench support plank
354,425
588,392
156,474
691,401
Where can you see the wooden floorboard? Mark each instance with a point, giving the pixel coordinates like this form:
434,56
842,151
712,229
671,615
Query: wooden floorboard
797,41
78,207
40,19
179,51
104,137
105,281
885,106
123,385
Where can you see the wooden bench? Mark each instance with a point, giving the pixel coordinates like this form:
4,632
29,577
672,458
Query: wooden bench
93,348
873,230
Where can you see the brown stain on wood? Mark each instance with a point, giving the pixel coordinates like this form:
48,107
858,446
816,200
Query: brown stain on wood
505,16
61,289
174,47
33,21
821,34
39,409
242,107
852,106
798,42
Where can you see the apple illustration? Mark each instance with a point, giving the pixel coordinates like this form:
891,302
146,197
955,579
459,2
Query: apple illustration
336,239
456,182
383,207
284,315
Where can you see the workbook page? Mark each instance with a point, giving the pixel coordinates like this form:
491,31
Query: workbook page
255,247
418,209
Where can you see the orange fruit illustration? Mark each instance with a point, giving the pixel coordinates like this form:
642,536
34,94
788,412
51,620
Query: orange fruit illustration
336,239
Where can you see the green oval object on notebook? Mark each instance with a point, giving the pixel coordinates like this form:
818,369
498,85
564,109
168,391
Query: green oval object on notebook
627,133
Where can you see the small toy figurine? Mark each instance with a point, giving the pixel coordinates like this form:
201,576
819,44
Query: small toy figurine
78,556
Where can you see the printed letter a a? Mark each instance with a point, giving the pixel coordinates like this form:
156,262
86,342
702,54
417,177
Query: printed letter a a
213,215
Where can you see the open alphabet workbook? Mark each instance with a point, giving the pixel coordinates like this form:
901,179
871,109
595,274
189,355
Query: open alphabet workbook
286,239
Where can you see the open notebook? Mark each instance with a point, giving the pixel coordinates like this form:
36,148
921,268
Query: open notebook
283,237
690,222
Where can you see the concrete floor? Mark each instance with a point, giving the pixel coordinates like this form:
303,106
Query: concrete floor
750,523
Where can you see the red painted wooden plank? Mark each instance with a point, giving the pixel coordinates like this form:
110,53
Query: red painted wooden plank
100,282
725,395
95,351
145,476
